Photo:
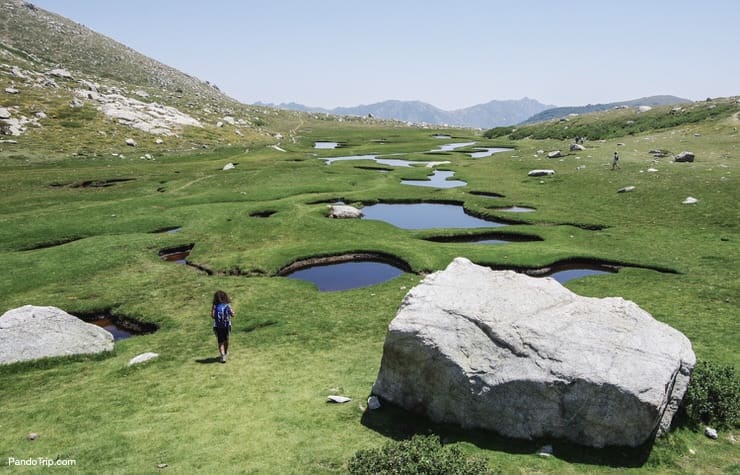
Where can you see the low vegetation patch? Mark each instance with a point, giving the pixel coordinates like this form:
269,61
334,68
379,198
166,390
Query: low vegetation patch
714,396
420,455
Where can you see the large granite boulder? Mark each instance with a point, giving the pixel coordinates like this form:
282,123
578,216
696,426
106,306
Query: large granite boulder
527,358
29,333
344,212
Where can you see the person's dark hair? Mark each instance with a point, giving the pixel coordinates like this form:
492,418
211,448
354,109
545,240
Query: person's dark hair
220,297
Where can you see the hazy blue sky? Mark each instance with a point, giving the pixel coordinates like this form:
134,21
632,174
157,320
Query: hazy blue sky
451,54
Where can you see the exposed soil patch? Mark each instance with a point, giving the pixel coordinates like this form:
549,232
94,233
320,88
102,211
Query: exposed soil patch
168,230
48,244
177,254
99,183
580,263
508,237
487,194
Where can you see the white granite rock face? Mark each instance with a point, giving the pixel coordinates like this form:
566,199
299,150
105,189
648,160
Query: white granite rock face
30,332
527,358
344,212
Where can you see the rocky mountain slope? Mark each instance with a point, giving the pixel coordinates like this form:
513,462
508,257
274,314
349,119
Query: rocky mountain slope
65,89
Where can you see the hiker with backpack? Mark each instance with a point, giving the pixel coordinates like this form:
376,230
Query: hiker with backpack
221,313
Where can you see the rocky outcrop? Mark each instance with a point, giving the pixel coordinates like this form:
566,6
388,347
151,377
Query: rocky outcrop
576,147
30,332
527,358
554,154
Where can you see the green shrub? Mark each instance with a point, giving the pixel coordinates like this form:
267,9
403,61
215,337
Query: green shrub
713,396
420,455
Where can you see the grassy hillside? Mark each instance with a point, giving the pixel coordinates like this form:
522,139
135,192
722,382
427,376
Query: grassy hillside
87,249
81,228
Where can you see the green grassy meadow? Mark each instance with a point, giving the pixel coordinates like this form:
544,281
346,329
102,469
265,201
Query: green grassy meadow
86,249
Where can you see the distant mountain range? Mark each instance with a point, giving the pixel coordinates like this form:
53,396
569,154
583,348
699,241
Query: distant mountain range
559,112
490,114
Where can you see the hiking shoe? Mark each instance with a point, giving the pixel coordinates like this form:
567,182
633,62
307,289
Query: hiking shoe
223,358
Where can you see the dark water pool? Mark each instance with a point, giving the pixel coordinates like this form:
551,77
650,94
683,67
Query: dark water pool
565,272
347,275
120,327
425,216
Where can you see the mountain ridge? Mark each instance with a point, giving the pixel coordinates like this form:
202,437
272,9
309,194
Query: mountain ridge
500,112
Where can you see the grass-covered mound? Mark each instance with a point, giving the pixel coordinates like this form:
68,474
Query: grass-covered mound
85,248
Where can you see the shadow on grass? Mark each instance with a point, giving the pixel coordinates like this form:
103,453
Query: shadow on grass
398,424
214,359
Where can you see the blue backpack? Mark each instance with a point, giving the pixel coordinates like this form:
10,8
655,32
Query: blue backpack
223,316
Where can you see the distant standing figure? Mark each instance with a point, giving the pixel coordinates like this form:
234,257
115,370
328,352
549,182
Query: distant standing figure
221,313
615,161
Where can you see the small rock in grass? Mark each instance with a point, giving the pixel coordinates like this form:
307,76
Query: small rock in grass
338,399
32,436
545,451
162,465
373,403
229,166
131,142
711,433
142,358
626,189
554,154
690,200
541,172
684,157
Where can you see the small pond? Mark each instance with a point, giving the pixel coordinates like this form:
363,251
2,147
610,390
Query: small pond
347,275
439,179
488,151
391,162
442,136
425,216
565,272
326,145
452,146
487,238
168,230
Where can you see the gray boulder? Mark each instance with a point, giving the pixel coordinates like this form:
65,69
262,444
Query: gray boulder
29,333
684,157
344,212
554,154
576,147
527,358
4,113
541,172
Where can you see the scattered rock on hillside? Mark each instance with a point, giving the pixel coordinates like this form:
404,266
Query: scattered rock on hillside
528,358
541,173
11,90
644,108
554,154
32,436
131,142
626,189
576,147
711,433
76,103
138,359
4,113
690,200
228,166
338,399
159,141
344,212
61,73
684,157
30,332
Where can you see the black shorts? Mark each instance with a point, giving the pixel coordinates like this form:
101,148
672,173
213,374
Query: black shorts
222,334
